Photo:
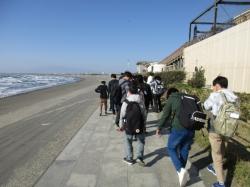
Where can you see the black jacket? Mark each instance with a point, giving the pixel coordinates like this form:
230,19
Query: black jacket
113,84
103,90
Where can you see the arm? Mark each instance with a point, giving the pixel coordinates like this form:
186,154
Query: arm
208,104
123,113
165,114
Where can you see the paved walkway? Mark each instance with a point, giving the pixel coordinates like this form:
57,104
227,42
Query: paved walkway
94,159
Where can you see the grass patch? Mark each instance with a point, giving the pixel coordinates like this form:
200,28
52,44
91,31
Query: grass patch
242,174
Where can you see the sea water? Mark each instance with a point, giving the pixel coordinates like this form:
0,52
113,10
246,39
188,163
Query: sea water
13,84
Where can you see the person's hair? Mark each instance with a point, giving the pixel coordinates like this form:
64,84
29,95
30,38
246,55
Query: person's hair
128,74
158,78
222,81
133,89
140,79
113,76
170,91
151,74
103,82
145,78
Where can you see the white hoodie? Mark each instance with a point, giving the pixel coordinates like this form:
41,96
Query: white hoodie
132,98
215,100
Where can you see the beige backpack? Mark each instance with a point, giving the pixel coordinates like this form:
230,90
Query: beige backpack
226,122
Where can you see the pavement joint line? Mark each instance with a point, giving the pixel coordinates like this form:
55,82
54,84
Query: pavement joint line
93,120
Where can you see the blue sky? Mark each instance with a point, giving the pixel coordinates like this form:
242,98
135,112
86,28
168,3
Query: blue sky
91,35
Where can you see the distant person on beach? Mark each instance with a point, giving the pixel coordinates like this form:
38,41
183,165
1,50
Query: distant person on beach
132,122
180,138
158,91
215,101
121,92
104,95
112,86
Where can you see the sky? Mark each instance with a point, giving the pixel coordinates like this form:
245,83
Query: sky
67,36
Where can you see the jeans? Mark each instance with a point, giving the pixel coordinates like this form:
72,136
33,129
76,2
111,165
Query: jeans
129,147
179,144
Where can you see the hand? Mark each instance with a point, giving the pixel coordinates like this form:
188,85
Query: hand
158,133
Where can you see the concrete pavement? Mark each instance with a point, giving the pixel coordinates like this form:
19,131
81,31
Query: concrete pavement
94,159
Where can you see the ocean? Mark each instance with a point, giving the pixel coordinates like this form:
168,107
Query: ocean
13,84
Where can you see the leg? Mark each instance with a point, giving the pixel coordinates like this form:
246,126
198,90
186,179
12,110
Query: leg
185,147
174,141
112,105
118,115
128,146
155,106
217,155
140,145
101,105
159,102
105,105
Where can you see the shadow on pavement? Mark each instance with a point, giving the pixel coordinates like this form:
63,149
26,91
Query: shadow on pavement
158,154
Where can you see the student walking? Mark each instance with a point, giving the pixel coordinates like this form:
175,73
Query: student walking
132,122
157,90
216,100
112,86
121,92
104,95
180,138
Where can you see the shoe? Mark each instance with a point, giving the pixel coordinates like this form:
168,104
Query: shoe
217,184
100,114
128,161
183,177
140,162
210,168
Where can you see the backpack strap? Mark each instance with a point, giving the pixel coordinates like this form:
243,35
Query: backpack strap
126,101
224,98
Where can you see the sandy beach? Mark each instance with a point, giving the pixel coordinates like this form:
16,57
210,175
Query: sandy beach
35,127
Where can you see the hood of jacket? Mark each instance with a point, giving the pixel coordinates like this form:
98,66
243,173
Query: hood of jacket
134,98
231,97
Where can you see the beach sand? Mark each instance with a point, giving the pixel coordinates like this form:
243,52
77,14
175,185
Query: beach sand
36,126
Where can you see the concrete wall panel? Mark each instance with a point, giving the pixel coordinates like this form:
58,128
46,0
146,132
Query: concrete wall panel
226,53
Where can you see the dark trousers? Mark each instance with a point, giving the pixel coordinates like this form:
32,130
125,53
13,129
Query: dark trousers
118,112
112,105
157,103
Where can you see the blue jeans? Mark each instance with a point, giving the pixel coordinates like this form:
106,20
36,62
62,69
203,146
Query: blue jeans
179,144
129,147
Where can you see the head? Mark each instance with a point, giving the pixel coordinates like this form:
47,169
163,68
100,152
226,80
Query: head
140,79
113,76
103,82
127,75
157,78
145,78
170,91
132,89
220,83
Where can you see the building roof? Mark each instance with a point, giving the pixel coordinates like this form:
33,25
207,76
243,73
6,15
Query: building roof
178,53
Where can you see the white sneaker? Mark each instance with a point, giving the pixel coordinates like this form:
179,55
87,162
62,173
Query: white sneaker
183,177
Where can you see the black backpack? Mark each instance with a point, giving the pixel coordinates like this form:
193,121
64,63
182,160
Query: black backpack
133,120
191,115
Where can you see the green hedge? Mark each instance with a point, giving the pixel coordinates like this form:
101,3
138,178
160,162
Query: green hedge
172,77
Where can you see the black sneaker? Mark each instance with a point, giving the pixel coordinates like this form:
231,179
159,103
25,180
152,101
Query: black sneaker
128,161
140,162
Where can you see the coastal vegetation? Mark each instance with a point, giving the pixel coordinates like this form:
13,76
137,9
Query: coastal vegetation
239,146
